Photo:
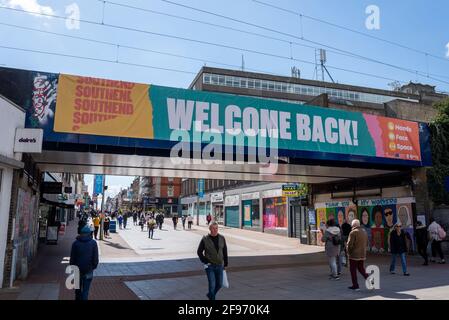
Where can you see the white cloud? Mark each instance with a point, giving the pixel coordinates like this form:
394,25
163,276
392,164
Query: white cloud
31,6
447,47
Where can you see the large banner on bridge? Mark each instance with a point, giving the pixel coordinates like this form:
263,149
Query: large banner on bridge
121,109
103,107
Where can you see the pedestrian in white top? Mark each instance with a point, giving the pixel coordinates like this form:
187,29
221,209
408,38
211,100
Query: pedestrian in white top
436,236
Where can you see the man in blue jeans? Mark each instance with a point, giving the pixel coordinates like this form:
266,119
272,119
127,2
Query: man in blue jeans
84,255
213,252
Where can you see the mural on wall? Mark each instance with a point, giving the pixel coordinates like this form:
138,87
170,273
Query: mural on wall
43,99
377,217
351,212
404,214
339,211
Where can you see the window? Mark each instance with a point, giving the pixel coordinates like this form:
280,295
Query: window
278,86
264,85
170,191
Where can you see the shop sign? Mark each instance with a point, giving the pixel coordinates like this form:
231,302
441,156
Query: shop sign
28,140
250,196
216,197
290,190
231,201
51,187
272,193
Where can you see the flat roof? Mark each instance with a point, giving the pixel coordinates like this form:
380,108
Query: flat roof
264,76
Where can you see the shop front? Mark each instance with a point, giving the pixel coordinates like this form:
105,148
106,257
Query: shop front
216,203
232,210
275,212
250,211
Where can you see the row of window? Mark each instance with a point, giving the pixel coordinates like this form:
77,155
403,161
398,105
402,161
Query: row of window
190,186
277,86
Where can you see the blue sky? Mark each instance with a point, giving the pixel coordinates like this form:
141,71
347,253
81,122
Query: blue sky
412,23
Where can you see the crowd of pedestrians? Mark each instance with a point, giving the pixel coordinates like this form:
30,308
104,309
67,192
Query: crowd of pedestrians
349,244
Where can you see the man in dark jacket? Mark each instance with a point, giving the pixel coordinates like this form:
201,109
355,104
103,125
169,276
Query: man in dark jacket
84,255
345,231
398,246
213,252
422,241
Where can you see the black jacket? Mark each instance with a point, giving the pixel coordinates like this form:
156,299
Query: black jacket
346,229
84,254
398,243
421,237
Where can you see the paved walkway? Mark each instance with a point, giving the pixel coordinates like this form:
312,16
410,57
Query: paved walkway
261,266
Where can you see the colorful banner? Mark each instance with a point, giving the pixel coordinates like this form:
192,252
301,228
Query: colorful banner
123,109
103,107
98,184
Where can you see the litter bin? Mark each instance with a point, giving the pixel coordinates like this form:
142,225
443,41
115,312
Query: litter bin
113,226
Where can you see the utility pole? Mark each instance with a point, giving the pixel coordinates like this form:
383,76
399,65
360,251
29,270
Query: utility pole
101,212
197,210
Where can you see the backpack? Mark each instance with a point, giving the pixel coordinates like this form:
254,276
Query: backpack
336,240
441,233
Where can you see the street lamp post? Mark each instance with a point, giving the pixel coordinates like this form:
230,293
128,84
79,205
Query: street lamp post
101,212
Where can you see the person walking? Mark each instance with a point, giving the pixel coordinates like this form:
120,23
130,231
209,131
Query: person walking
135,218
422,241
190,221
125,220
175,221
213,253
436,235
120,221
356,248
106,227
183,218
208,218
345,230
142,222
96,221
332,239
84,255
160,220
151,224
398,247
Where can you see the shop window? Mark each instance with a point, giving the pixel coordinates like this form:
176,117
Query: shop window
250,213
275,213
